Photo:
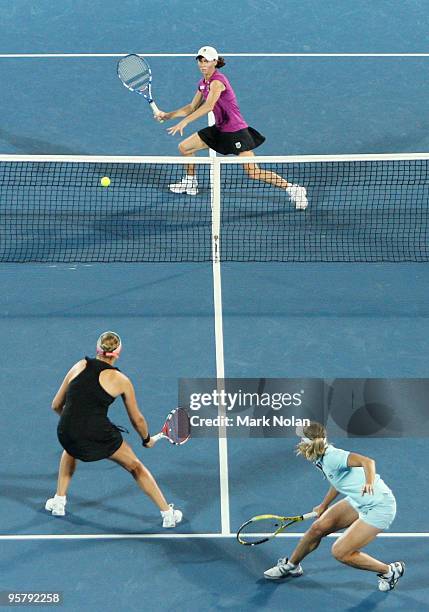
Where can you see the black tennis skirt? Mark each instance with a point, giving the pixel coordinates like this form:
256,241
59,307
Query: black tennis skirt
92,445
231,143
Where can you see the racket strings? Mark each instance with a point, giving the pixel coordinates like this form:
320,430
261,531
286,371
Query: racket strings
135,73
178,426
255,530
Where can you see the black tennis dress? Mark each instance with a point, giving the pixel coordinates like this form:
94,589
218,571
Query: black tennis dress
84,430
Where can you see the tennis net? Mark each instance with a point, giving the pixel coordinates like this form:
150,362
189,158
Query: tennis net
360,209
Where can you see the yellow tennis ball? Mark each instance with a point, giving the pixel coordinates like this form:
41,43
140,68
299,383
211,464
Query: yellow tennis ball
105,181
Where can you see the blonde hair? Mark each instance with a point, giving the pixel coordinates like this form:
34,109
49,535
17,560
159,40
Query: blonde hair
316,445
108,343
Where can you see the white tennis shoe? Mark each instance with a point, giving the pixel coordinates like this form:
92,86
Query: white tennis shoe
298,196
188,185
283,569
387,583
56,505
171,517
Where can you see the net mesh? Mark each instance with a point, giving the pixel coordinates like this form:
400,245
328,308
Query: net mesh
362,210
58,212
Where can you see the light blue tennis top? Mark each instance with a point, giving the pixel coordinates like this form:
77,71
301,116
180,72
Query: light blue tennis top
349,480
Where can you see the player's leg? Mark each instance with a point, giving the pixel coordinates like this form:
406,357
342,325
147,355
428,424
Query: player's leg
57,504
189,148
374,520
126,458
256,173
338,516
65,474
297,193
346,548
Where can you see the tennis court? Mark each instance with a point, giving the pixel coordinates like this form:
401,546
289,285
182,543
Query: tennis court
304,294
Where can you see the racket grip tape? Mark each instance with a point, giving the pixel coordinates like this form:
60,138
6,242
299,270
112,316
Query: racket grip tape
155,110
309,515
157,437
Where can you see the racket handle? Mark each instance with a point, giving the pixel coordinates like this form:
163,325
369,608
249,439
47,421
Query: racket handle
309,515
155,110
157,437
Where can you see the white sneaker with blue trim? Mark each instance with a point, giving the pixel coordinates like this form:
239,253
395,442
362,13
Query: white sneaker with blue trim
56,505
171,517
298,196
188,185
387,582
283,569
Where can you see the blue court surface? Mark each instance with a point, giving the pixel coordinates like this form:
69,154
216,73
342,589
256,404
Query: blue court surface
286,320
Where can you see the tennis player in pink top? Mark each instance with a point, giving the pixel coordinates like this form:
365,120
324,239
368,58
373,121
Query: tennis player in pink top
230,134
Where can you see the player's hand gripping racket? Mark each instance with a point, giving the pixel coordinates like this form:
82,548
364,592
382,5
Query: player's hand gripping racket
136,75
177,427
261,528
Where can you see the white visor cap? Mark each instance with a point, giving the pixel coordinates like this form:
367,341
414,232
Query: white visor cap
209,53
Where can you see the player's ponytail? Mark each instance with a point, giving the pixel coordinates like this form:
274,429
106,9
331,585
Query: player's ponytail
313,444
220,62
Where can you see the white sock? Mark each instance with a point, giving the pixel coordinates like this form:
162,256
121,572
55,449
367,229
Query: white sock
60,498
389,573
291,565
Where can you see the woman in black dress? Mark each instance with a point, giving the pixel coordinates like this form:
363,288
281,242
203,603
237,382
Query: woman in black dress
85,432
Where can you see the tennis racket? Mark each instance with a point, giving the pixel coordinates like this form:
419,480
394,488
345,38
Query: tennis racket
264,527
177,427
136,75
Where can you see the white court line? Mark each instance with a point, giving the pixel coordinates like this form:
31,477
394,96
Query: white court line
218,321
223,457
89,55
178,536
